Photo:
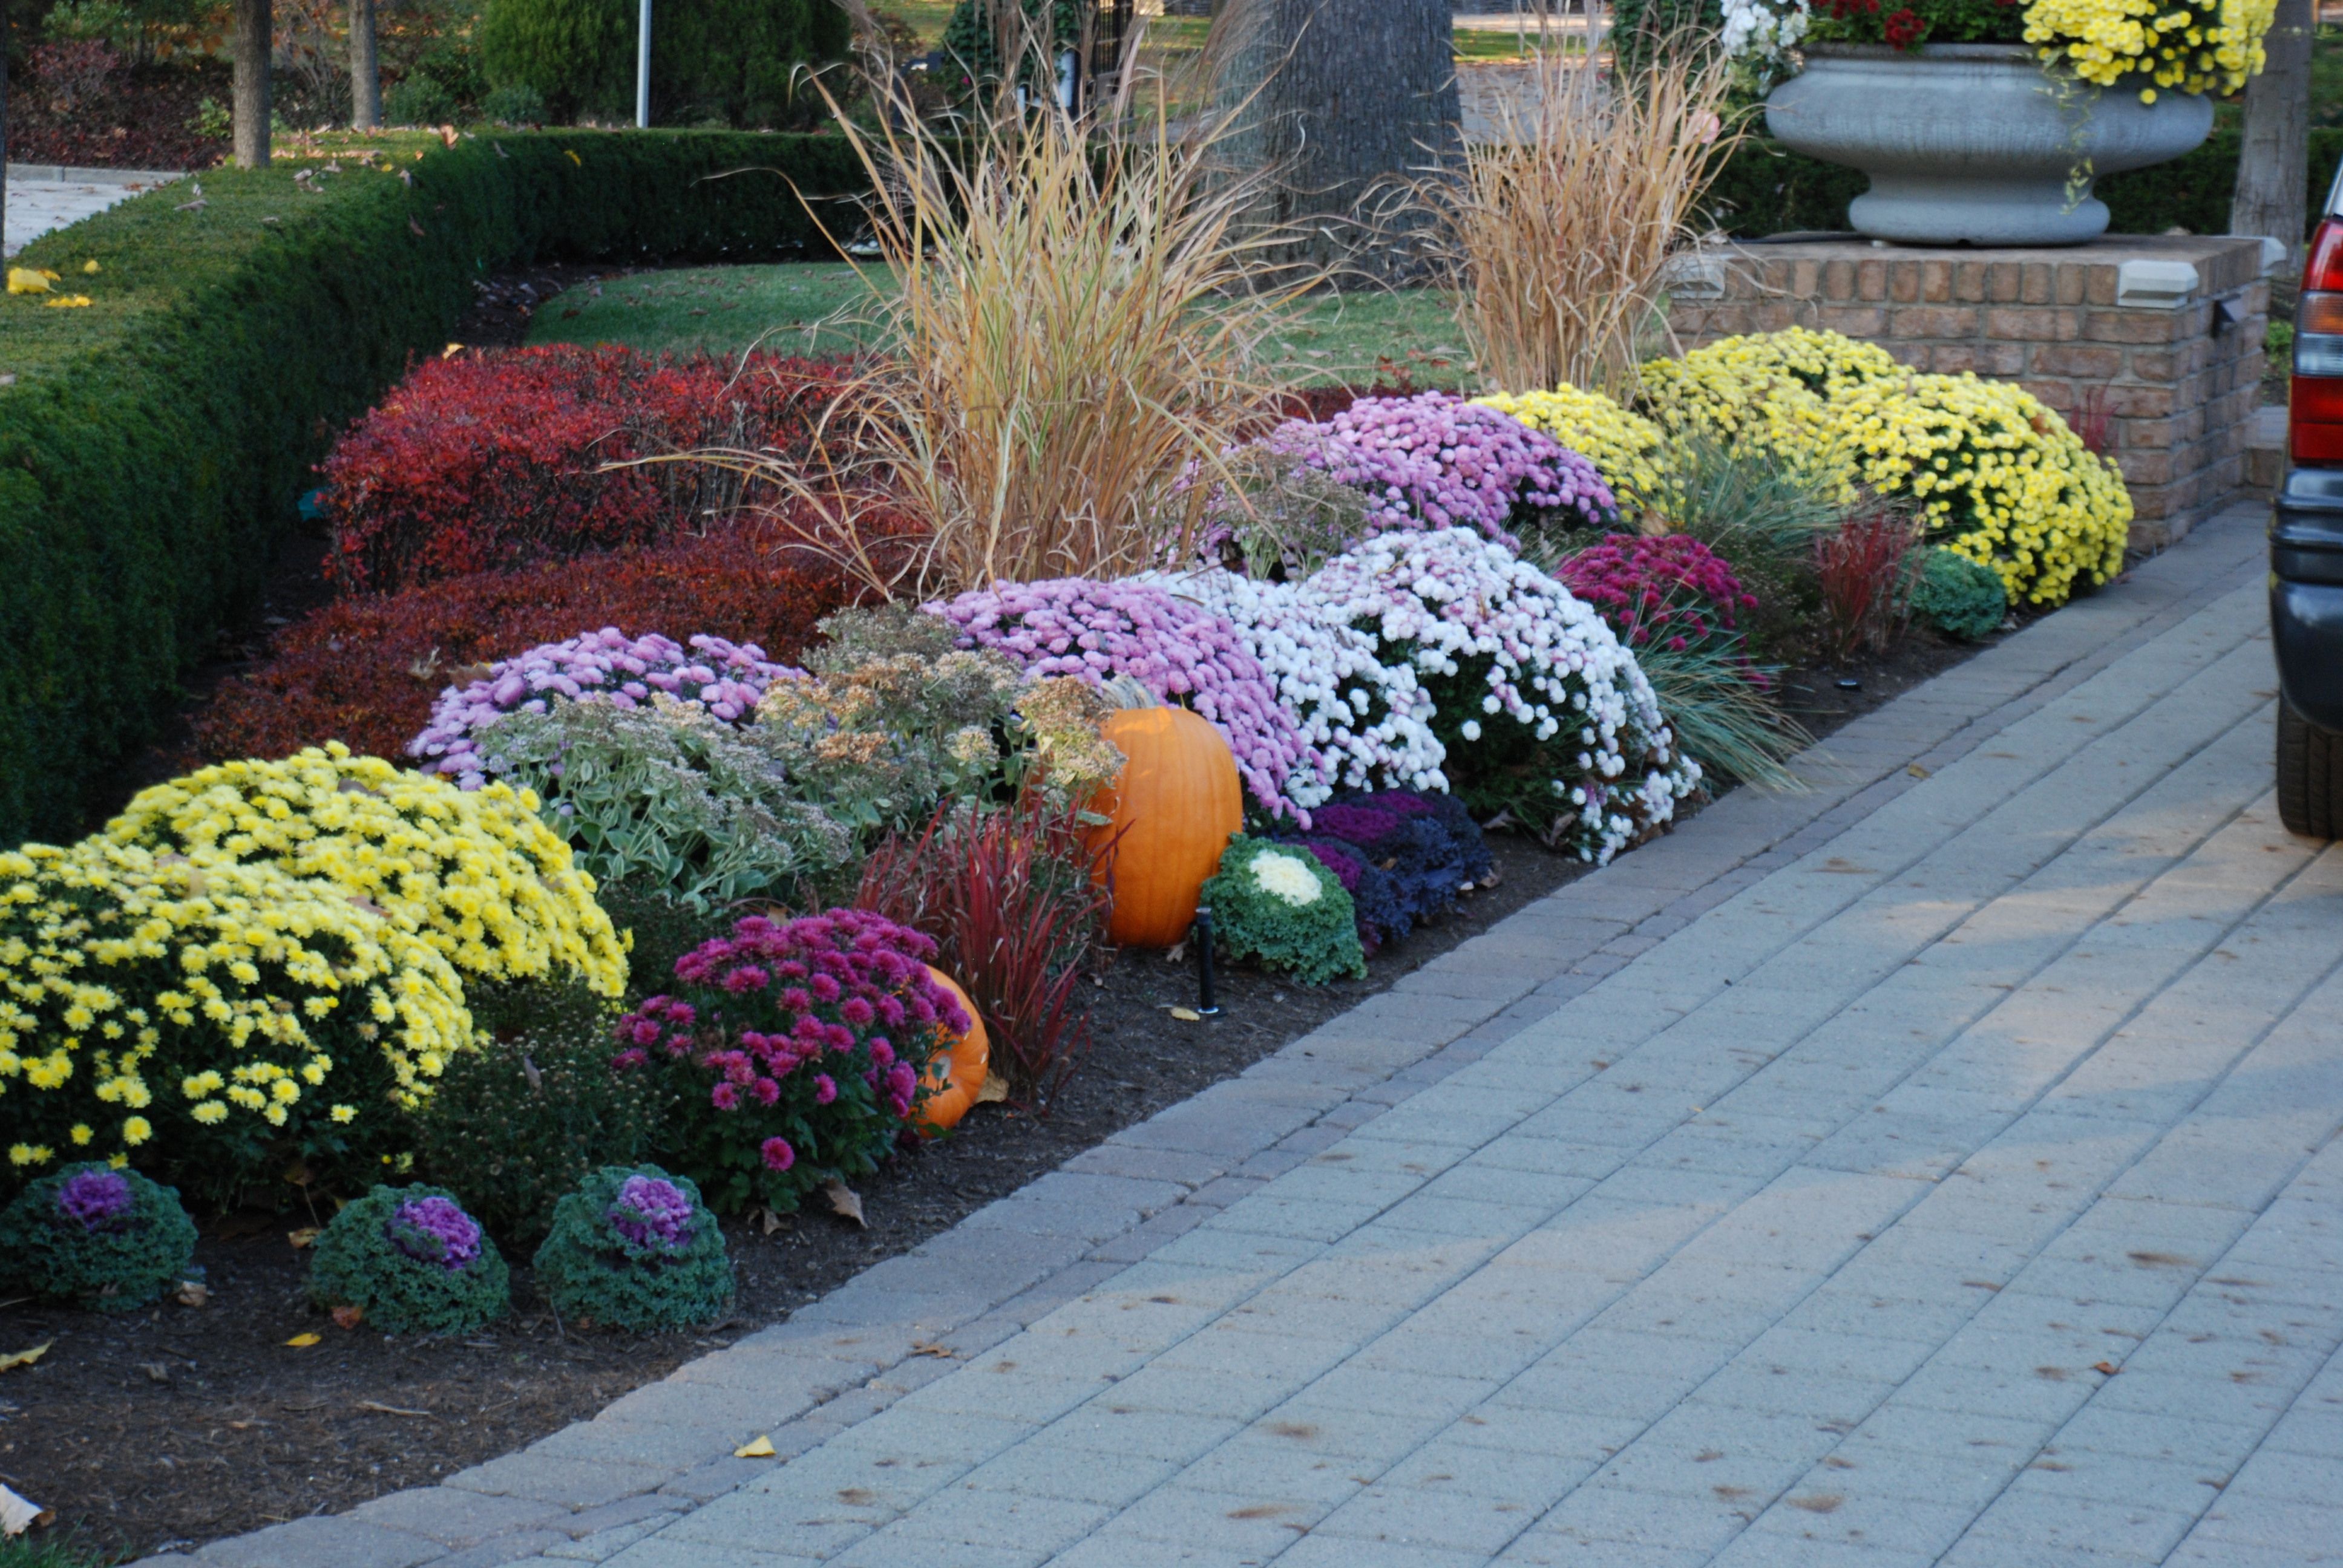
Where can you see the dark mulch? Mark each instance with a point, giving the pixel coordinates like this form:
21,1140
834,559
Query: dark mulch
184,1424
132,117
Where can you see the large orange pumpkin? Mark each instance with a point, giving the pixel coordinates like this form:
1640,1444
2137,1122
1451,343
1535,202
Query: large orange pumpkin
1174,806
965,1058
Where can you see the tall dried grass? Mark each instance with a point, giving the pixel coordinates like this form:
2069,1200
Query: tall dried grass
1557,233
1075,310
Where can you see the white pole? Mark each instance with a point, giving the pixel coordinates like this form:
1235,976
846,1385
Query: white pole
643,71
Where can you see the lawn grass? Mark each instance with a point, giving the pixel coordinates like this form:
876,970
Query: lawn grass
800,308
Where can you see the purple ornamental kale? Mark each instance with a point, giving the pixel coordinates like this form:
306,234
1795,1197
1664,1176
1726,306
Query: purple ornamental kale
94,1199
434,1230
651,1212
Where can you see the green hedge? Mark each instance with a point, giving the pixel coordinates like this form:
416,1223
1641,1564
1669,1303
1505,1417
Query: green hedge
153,446
1766,188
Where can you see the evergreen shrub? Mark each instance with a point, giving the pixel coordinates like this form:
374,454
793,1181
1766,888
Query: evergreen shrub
1959,597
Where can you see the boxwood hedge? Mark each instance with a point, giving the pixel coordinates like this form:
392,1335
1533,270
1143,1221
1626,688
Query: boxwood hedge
153,446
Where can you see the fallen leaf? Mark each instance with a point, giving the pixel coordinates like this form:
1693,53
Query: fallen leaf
995,1089
381,1409
302,1237
941,1352
843,1201
573,157
156,1371
194,1293
348,1317
301,1341
755,1448
1916,770
18,1515
91,266
25,280
1187,1015
25,1358
2108,1368
769,1221
415,226
69,302
452,350
405,176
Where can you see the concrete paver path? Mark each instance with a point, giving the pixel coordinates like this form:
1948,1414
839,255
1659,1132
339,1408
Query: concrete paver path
45,196
1938,1169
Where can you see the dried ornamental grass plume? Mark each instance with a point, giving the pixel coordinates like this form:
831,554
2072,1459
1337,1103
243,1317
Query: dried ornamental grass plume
476,873
666,798
797,1049
1558,228
1363,723
635,1249
412,1261
1435,461
1179,650
1625,448
97,1237
720,678
211,1020
1544,713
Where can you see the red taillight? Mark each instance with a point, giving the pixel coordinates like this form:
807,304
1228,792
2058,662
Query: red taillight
2314,406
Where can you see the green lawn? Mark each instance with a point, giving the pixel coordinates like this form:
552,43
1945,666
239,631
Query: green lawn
803,308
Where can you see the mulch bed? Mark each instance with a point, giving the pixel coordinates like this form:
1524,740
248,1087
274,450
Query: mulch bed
181,1424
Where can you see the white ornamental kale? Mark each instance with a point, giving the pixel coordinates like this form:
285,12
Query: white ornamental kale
1363,724
1453,602
1763,33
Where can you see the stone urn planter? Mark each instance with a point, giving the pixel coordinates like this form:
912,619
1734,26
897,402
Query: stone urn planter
1975,144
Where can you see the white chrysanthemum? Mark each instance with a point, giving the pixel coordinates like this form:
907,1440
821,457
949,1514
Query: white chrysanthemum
1284,876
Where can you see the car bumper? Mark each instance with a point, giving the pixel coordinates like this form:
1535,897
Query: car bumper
2307,593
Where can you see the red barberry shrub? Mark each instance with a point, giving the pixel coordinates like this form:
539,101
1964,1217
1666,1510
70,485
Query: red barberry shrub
364,671
495,458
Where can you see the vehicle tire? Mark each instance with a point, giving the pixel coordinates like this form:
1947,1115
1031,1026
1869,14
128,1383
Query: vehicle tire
2309,776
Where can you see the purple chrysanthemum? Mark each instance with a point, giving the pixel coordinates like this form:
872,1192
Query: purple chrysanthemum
95,1198
651,1212
434,1230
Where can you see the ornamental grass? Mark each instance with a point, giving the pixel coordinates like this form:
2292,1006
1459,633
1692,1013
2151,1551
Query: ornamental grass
1557,231
1078,305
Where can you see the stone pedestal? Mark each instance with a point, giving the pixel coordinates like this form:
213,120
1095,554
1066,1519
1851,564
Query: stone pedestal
2157,338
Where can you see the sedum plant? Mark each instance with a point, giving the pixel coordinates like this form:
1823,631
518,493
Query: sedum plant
1282,907
635,1249
1959,597
96,1236
412,1261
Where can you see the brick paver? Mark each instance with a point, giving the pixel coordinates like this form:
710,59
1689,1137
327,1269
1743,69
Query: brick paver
1934,1167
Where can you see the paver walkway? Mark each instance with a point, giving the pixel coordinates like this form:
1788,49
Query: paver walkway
1938,1168
45,196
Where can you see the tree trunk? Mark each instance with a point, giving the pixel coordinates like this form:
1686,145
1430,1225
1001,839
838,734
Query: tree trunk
255,37
4,122
2274,160
365,69
1342,102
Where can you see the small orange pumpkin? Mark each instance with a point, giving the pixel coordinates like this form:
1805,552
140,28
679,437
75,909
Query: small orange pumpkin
965,1059
1174,806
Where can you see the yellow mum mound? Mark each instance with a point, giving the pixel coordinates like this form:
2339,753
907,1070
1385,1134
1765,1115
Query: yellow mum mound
217,1018
476,873
1625,447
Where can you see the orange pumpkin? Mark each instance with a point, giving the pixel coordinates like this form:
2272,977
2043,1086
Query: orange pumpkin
1174,806
965,1059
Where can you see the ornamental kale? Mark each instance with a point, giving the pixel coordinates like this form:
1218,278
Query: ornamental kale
1435,461
412,1261
1373,904
634,1249
719,678
1180,652
102,1238
1574,745
1286,909
797,1049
